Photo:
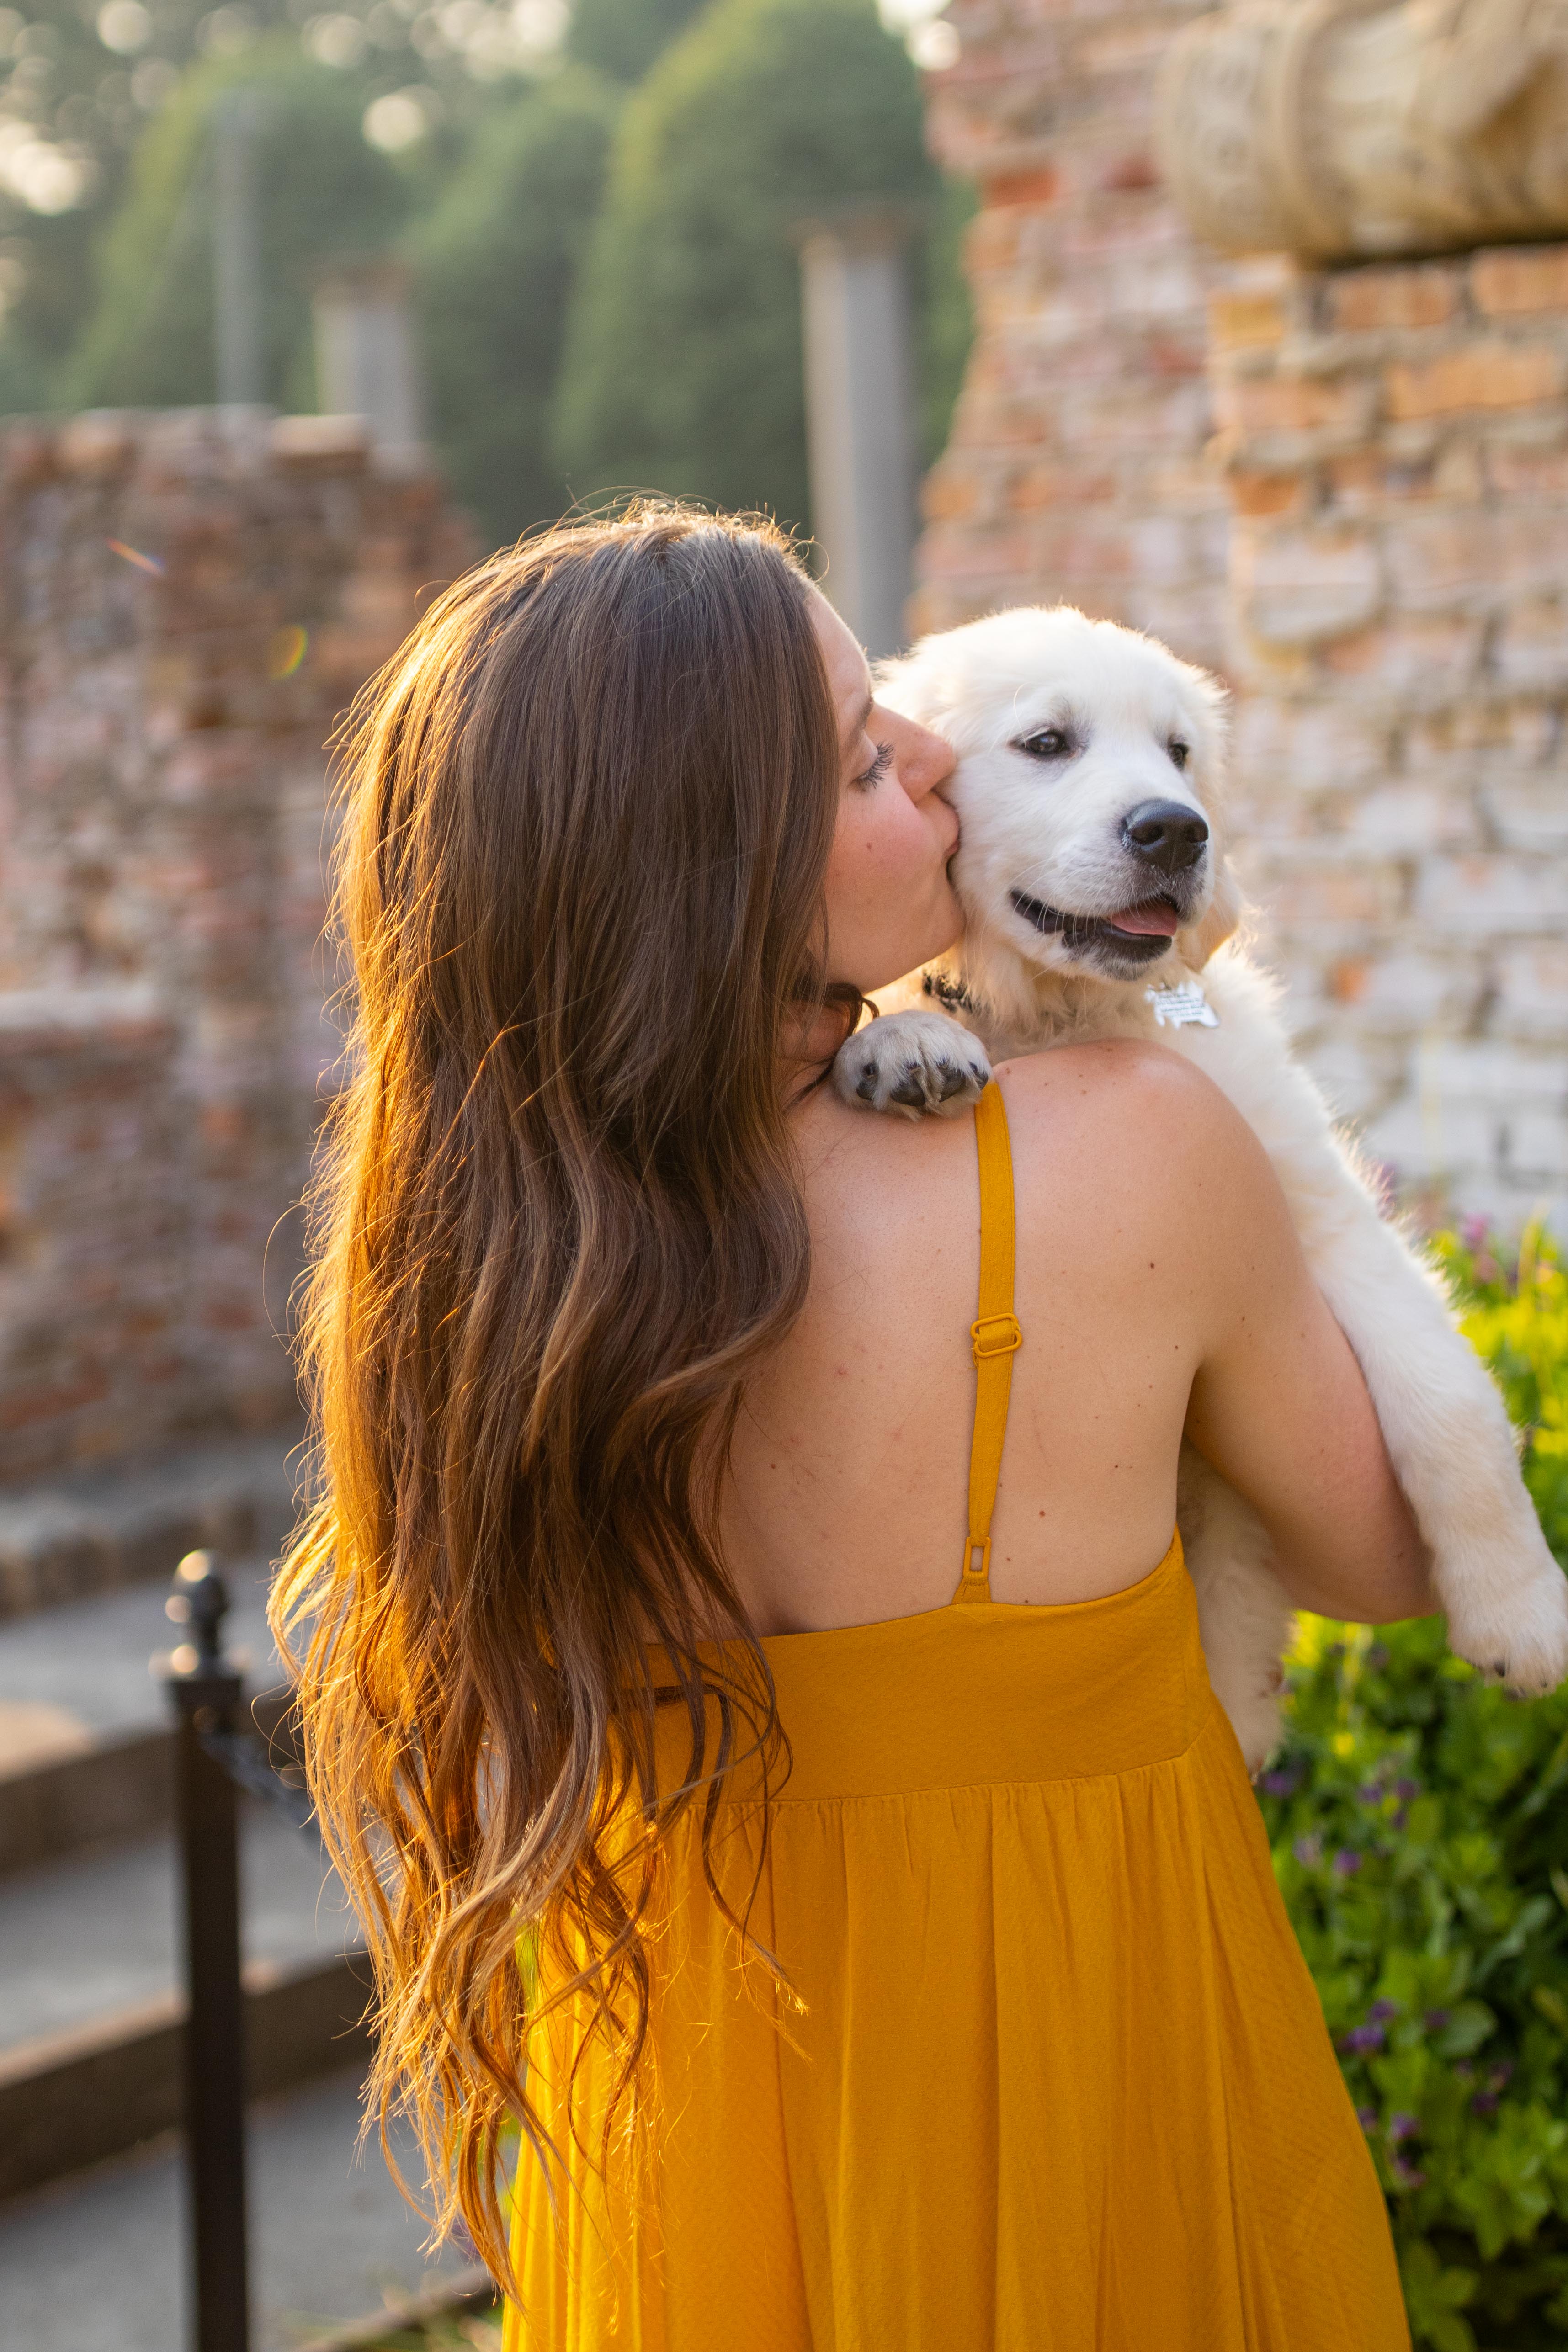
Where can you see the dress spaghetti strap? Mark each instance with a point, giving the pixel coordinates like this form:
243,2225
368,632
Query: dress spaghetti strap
996,1335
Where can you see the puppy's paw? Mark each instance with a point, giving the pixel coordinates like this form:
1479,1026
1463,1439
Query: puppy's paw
912,1062
1515,1631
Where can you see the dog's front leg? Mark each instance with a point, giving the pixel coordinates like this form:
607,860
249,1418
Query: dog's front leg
1244,1614
1443,1420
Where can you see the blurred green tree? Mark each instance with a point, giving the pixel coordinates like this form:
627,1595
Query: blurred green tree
81,81
494,264
621,38
682,370
325,192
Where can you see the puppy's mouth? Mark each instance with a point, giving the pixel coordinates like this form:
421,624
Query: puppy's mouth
1140,933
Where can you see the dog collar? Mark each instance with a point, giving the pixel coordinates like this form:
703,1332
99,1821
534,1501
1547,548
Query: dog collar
1182,1004
950,994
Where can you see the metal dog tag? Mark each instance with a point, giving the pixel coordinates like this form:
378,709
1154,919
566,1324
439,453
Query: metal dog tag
1182,1004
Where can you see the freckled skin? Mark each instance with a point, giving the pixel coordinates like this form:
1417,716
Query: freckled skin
847,1501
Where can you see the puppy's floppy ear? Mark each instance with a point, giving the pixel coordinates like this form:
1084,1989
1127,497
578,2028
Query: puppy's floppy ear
1199,942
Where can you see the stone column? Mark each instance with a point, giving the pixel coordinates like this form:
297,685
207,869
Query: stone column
366,364
859,422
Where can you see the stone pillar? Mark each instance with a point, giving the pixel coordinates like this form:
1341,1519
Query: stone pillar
366,364
190,600
1075,471
854,300
1395,446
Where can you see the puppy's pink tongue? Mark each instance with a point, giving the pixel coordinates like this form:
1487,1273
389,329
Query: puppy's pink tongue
1157,919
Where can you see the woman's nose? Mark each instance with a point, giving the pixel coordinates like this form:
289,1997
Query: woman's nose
925,760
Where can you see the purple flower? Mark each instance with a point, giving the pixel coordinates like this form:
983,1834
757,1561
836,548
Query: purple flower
1399,1817
1347,1862
1381,2010
1499,2075
1283,1783
1437,2019
1484,2102
1377,1656
1371,1792
1362,2039
1407,1789
1474,1231
1308,1851
1367,2118
1403,2126
1406,2177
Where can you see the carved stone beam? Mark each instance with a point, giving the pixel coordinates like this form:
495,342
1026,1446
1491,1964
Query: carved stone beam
1342,130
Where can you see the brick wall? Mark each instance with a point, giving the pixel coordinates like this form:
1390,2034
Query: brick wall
190,599
1396,446
1076,469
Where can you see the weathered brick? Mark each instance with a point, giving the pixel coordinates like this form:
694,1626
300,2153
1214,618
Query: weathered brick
1495,896
1303,408
1475,555
1299,587
1535,1144
1528,811
1240,321
948,495
1362,299
1269,494
1521,278
162,1044
1004,190
1531,649
1478,376
1531,993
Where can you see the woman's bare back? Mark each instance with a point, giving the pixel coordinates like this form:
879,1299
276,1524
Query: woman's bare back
1159,1286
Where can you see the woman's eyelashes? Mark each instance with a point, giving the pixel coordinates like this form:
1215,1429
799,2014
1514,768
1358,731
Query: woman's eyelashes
871,776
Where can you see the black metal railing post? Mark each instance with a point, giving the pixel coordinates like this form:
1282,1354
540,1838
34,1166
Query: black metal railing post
203,1691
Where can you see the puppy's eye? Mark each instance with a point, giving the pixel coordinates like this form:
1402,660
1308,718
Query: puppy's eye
1050,743
1180,753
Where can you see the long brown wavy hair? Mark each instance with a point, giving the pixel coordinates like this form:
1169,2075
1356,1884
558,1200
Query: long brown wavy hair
588,811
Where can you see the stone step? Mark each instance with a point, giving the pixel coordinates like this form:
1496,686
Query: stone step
68,2100
84,1748
97,2263
91,2003
95,1530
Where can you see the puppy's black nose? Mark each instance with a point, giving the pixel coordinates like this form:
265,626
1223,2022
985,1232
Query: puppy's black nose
1166,835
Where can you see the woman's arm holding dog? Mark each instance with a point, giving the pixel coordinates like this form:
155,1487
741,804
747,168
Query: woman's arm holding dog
1278,1405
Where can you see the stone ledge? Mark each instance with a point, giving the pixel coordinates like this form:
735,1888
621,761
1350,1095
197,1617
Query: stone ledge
68,2100
87,1531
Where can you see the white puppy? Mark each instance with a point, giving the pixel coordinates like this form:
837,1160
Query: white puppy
1094,883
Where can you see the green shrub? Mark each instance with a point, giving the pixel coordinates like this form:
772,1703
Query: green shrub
683,363
1419,1823
325,195
494,266
621,38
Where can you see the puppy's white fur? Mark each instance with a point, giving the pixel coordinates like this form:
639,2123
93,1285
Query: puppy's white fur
1048,831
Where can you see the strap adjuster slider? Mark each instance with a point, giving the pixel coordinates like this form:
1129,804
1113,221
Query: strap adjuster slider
996,1335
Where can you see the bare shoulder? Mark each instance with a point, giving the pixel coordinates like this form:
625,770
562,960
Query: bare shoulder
1132,1124
839,1144
1124,1085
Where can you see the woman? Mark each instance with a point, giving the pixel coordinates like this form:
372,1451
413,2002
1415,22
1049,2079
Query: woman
864,1971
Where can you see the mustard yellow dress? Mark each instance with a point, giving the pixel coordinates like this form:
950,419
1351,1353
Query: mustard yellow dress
1060,2081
